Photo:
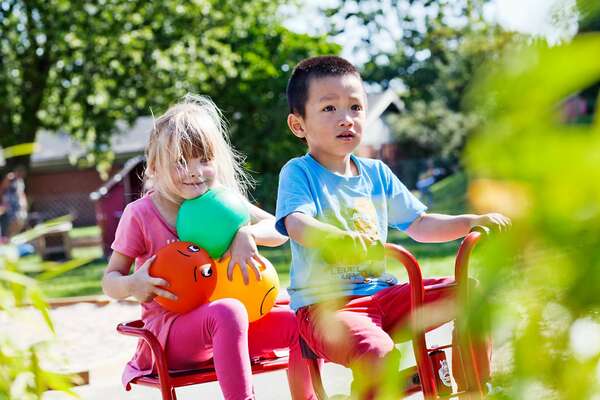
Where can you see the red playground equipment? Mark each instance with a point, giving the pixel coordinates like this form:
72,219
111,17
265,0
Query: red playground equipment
432,388
429,384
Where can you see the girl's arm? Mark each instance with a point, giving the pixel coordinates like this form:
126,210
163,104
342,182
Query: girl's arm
118,284
243,250
437,228
262,228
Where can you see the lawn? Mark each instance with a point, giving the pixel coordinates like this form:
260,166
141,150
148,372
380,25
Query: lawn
435,259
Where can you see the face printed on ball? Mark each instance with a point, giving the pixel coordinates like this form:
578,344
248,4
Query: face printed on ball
191,274
258,296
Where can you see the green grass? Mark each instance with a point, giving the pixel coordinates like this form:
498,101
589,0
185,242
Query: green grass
84,280
79,282
435,259
85,231
450,195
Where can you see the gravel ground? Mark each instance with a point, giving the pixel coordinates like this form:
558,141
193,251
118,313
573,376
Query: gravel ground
86,340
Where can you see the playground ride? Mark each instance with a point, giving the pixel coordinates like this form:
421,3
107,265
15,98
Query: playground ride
429,361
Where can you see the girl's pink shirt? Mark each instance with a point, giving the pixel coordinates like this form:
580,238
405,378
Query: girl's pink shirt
141,232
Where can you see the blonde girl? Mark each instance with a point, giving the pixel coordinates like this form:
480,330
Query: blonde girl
188,153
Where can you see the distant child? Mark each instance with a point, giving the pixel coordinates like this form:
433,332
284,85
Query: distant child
187,154
337,208
13,202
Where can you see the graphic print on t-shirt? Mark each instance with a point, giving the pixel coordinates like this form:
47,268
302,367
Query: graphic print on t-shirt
362,218
359,216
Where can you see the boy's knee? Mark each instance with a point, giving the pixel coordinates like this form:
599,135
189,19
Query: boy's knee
373,349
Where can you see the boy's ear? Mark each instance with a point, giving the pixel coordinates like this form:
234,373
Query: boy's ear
296,125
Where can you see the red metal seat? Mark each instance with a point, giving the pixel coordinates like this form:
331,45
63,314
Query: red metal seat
167,381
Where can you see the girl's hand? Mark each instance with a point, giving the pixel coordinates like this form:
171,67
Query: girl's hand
244,253
495,221
144,287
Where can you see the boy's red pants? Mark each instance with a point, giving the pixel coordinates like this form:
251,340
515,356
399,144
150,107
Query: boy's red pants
359,331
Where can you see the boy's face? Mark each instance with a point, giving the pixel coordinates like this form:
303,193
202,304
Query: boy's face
334,117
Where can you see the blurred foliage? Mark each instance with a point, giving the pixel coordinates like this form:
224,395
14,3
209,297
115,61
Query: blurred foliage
428,51
22,376
450,195
541,281
80,66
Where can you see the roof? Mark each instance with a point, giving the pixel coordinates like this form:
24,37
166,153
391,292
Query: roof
380,102
376,131
116,178
57,148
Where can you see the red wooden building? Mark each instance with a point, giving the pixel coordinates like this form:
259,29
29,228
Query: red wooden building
111,198
55,187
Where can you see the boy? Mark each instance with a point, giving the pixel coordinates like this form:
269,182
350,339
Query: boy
336,208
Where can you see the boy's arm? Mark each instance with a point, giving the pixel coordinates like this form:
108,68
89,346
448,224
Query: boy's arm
437,228
335,245
311,233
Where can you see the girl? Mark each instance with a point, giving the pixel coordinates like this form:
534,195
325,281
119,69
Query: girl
187,154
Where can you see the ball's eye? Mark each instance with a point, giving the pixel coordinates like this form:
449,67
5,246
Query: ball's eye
206,271
193,248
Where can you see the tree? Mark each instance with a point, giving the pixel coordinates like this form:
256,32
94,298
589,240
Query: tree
431,50
80,66
255,100
589,22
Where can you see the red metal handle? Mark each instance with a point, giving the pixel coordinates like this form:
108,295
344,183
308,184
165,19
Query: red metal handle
468,356
417,298
461,266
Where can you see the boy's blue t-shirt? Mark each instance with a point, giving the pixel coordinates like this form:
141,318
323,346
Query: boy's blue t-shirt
369,203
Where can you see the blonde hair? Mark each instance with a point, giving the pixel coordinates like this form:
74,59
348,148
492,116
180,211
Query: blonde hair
192,128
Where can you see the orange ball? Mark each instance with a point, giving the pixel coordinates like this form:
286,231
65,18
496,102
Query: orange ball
191,274
258,296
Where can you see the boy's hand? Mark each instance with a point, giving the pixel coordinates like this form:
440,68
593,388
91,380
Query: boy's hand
350,249
371,248
144,287
494,221
243,253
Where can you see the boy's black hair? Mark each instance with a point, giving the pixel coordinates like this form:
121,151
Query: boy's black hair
313,68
